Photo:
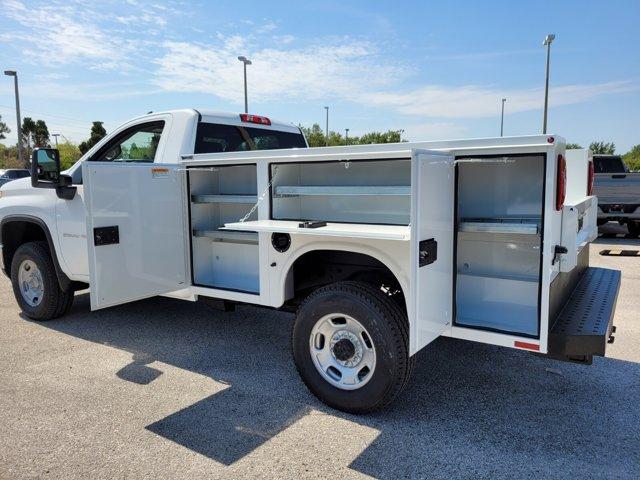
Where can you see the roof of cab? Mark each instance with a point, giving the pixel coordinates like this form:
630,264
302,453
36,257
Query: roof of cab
211,116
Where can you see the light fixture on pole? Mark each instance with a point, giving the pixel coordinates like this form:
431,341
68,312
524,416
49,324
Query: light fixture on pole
326,128
245,61
346,136
547,43
502,118
14,74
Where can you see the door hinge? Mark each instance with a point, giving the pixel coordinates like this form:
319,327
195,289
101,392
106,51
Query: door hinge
427,252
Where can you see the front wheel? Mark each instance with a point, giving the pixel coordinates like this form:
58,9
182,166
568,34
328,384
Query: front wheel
35,284
351,346
634,228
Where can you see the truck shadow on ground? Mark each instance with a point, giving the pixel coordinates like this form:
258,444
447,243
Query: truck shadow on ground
470,409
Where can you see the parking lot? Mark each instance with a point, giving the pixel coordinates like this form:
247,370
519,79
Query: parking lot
165,389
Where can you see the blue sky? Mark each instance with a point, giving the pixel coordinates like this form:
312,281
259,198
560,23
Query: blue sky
435,69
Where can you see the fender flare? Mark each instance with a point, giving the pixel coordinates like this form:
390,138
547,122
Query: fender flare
63,280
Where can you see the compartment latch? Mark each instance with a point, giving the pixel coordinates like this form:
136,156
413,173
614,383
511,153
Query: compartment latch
427,252
557,251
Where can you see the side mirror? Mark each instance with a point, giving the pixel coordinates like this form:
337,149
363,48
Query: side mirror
45,173
45,168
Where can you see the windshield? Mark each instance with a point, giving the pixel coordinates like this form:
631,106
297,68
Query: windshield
215,138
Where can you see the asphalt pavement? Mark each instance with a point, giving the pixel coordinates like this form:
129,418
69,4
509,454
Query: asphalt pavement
164,388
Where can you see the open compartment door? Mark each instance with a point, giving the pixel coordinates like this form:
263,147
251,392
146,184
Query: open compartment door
432,210
135,231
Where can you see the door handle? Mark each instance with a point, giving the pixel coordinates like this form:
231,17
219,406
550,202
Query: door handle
427,252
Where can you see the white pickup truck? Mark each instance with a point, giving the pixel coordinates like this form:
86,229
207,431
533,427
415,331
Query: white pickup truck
379,249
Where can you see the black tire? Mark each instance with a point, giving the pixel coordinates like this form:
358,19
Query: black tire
634,228
55,301
602,222
388,328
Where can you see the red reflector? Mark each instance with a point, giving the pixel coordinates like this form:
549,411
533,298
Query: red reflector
247,117
561,182
590,180
528,346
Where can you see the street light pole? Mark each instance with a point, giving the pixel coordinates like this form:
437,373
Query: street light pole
502,118
326,128
547,43
245,61
14,74
346,136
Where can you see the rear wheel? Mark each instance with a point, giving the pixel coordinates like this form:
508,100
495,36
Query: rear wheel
35,284
634,228
351,346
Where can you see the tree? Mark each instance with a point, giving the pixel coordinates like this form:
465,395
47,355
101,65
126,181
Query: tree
390,136
632,158
97,133
69,154
3,129
603,148
573,146
316,137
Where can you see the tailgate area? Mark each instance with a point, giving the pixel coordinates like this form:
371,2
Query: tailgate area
585,323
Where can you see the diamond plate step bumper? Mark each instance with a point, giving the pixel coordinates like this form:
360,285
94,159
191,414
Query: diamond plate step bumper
585,323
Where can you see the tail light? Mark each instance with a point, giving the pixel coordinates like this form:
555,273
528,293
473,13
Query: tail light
561,182
590,179
246,117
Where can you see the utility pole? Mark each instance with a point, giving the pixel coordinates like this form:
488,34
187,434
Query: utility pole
326,128
245,61
14,74
547,43
56,135
502,118
346,136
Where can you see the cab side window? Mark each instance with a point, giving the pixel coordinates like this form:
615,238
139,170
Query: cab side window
137,144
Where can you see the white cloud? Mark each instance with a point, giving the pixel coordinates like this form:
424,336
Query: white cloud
334,69
477,101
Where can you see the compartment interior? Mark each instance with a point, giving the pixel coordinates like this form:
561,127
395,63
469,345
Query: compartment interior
367,191
499,235
223,259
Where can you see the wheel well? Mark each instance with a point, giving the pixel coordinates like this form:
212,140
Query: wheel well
16,233
321,267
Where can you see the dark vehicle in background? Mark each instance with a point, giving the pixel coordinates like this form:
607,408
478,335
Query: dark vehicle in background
13,174
618,192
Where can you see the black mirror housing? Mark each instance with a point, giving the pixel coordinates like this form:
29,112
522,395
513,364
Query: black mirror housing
45,173
45,168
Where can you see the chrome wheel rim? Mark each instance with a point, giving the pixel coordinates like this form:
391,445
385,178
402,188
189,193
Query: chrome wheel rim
31,284
342,351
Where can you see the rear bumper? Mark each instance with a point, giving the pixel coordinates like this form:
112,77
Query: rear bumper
618,211
584,325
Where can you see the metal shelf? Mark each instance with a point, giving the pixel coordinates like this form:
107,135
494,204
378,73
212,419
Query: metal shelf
499,225
224,198
349,190
229,236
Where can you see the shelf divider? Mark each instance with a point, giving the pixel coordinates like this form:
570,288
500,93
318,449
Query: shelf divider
348,190
224,198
